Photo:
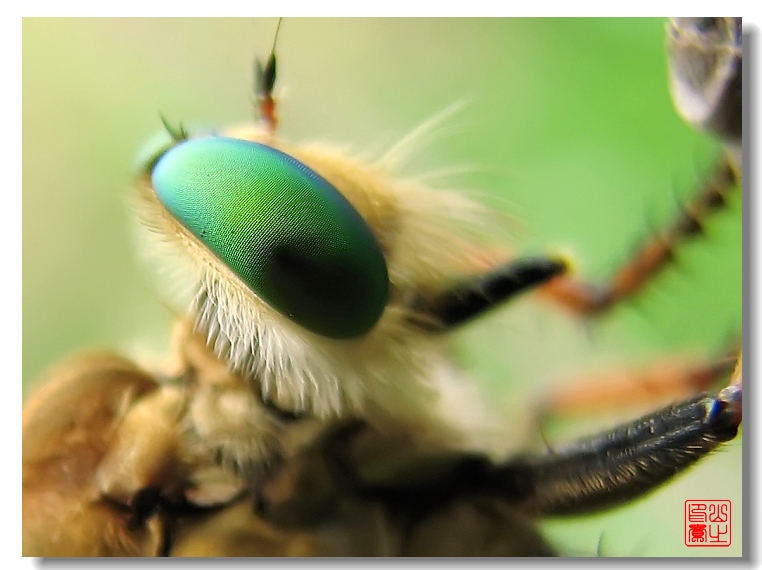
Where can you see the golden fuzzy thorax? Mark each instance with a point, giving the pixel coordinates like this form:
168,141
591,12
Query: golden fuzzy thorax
396,372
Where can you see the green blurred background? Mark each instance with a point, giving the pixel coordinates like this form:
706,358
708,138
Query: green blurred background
570,132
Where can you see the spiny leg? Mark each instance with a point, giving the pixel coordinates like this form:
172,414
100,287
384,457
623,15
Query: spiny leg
705,56
630,460
473,296
652,257
705,71
591,474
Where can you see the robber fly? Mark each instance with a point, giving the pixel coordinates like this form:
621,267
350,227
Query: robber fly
312,406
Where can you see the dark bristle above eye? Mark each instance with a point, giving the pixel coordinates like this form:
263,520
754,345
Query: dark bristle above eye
178,133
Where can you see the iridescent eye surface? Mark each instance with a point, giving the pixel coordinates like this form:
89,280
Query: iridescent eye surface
284,231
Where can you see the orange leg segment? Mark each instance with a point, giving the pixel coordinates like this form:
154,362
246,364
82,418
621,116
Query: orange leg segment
592,299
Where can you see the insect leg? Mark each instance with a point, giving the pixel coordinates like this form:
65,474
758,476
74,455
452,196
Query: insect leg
668,381
628,461
653,256
591,474
705,56
705,65
474,296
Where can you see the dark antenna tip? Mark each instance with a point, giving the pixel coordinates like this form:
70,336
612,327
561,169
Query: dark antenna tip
265,77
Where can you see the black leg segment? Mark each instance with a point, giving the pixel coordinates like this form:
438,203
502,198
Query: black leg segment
612,468
473,296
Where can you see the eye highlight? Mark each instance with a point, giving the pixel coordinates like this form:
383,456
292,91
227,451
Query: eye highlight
287,233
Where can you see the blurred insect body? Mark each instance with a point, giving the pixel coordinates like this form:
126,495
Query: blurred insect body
313,408
705,75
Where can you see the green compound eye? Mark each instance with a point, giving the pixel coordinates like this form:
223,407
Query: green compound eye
285,231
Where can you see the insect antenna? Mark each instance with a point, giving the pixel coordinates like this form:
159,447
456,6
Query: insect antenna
264,82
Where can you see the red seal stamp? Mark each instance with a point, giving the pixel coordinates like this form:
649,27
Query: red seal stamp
707,523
